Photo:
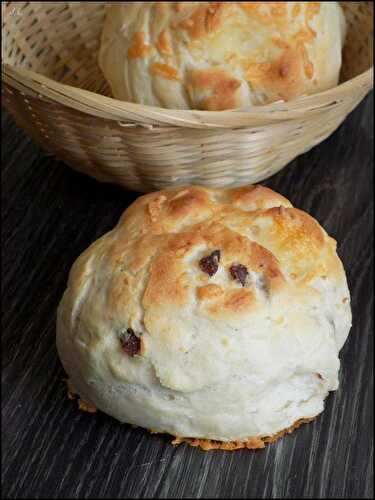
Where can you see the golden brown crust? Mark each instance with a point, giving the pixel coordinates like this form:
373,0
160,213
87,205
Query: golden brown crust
236,302
85,406
164,43
256,198
219,83
187,202
168,232
155,206
207,19
208,292
209,53
252,226
71,392
165,71
270,298
139,49
252,443
82,404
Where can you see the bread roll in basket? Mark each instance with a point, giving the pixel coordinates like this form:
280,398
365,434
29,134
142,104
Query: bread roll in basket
55,90
217,56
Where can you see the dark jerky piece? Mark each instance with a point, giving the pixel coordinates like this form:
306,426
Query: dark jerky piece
210,264
239,273
130,343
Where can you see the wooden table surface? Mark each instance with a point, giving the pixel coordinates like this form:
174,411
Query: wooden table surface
50,215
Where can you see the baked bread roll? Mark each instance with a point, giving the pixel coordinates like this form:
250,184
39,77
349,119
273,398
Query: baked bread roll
220,55
214,314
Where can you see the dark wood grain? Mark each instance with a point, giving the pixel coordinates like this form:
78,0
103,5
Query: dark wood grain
50,214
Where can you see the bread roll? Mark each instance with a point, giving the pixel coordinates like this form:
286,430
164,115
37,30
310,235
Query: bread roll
214,314
220,55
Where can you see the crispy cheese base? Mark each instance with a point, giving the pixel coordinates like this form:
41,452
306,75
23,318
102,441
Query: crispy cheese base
252,443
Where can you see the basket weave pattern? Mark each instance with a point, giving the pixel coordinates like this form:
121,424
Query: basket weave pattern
55,91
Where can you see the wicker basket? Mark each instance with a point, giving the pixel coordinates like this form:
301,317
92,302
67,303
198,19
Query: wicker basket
55,91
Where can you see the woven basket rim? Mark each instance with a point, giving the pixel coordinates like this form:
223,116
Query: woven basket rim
35,84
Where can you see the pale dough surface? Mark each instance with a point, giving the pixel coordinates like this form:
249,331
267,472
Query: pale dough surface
218,359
